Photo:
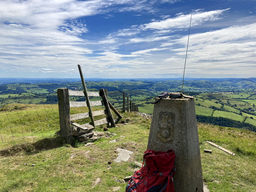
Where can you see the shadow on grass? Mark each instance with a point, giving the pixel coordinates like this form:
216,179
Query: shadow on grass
32,148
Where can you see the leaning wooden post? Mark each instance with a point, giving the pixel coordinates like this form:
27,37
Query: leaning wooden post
116,112
123,101
110,118
174,127
64,114
86,96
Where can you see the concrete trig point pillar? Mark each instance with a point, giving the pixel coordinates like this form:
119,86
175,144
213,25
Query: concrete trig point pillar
174,127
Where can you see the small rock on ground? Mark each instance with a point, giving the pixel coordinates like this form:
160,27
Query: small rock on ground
97,181
116,188
113,141
206,189
123,155
88,144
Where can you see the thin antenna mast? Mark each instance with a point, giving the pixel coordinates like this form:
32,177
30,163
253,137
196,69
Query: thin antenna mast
185,62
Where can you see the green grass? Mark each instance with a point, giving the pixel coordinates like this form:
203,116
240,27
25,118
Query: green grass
148,108
249,115
238,103
239,96
44,163
252,96
24,100
231,109
4,96
228,115
253,102
37,91
203,111
223,172
251,121
64,168
209,103
36,118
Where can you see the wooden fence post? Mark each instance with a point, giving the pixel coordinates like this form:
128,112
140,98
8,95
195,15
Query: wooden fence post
133,107
123,101
128,104
64,114
110,118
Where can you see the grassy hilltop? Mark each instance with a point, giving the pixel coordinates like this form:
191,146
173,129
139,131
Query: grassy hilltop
32,158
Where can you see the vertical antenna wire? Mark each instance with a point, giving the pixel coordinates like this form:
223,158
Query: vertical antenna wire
185,62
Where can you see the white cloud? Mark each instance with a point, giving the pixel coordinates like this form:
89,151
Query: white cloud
46,33
219,53
44,36
147,51
127,32
182,21
150,39
107,41
169,1
74,28
234,33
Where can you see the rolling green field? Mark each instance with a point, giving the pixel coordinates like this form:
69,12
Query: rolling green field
33,158
253,102
205,111
225,102
222,109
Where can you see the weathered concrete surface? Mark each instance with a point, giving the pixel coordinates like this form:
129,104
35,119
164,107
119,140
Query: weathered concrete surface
174,127
123,155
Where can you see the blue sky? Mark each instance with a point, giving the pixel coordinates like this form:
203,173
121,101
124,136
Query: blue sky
127,38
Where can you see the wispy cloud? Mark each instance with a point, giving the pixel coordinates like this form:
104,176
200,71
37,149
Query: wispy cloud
150,39
133,30
147,51
220,53
182,21
169,1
